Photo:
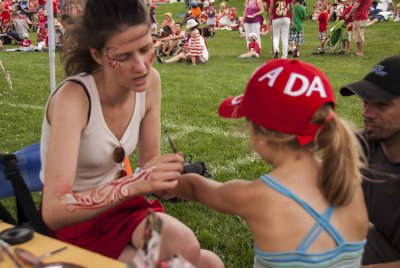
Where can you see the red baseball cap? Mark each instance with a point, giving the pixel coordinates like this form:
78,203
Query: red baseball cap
283,95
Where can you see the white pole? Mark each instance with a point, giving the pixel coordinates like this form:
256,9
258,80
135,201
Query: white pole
52,44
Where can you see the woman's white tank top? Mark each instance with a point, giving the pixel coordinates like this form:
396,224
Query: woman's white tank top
95,164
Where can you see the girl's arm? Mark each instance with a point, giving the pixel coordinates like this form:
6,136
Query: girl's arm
231,197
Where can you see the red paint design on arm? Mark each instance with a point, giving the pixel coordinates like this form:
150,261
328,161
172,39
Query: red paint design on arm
104,195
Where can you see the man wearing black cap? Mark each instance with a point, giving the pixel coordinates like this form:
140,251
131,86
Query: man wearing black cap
380,92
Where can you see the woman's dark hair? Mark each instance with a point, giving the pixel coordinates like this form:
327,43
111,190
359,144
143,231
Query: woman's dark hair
166,31
101,20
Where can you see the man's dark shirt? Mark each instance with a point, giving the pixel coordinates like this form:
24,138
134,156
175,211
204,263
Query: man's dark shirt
382,198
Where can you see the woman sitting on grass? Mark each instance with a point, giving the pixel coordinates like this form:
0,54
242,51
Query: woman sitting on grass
307,212
109,105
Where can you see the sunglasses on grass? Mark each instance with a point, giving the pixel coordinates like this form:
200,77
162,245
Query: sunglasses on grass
118,157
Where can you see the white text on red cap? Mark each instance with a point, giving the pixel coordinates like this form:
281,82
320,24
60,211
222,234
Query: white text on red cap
306,87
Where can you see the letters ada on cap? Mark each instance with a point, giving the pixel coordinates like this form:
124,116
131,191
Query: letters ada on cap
283,95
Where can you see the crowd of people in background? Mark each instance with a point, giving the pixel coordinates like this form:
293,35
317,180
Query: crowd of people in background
23,19
282,19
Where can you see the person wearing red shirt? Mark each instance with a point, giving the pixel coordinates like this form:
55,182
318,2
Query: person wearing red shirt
55,8
26,43
281,17
349,23
5,16
322,25
254,50
359,12
42,3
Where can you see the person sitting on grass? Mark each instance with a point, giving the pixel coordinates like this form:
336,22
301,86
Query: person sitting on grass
26,43
170,43
223,20
307,212
254,50
381,16
379,93
168,21
195,47
19,28
196,10
397,15
184,55
107,108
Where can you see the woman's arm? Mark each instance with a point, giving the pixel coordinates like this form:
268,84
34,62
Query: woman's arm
271,7
150,127
67,114
260,7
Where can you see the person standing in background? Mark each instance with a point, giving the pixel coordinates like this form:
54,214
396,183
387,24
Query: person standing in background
281,18
359,12
252,17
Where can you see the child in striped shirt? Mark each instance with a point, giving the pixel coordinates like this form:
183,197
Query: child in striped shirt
195,47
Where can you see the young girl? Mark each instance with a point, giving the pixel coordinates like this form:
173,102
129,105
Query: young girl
42,18
168,21
153,19
211,18
349,21
223,20
308,212
253,48
109,105
322,25
26,43
195,47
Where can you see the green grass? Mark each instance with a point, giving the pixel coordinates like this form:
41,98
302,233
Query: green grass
191,96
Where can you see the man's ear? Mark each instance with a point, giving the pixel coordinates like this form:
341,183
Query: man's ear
96,55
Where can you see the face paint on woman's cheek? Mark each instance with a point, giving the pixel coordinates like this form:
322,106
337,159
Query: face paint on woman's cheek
110,60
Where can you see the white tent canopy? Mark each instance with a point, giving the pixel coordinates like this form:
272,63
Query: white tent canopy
72,7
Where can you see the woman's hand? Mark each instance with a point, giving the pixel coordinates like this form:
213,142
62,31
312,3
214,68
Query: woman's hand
164,172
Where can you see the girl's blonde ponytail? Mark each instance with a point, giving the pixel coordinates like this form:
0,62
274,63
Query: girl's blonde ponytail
340,172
